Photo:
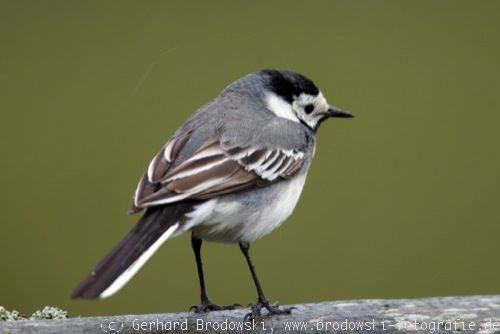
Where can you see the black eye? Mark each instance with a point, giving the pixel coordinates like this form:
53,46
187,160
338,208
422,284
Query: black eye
309,109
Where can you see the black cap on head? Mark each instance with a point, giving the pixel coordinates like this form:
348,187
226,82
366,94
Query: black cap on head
289,84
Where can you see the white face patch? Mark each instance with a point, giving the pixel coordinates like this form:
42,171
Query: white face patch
297,110
304,102
280,107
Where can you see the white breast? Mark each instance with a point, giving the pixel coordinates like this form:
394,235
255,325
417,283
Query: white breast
235,220
278,210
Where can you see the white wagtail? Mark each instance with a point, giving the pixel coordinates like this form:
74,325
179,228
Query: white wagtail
232,173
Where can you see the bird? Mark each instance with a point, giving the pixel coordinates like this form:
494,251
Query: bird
232,173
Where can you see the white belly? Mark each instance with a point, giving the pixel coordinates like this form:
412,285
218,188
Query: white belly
246,217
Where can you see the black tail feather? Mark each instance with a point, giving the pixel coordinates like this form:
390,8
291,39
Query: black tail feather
150,227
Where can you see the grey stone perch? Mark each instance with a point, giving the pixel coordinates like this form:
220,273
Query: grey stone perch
473,314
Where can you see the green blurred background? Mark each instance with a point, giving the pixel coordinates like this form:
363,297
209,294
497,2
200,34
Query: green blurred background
401,201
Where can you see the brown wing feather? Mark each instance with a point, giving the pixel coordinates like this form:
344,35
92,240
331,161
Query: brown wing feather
159,166
213,171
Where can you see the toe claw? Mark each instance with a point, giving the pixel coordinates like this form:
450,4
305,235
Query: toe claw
207,306
248,317
273,309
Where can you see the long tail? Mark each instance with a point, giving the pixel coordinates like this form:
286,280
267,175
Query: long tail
117,268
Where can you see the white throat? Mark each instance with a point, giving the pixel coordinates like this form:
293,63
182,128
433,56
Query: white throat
280,107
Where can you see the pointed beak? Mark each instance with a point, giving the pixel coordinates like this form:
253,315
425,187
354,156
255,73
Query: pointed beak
337,112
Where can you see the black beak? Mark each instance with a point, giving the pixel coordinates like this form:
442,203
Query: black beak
337,112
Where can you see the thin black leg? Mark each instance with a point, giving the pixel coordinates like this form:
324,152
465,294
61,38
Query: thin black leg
196,244
206,305
244,249
261,299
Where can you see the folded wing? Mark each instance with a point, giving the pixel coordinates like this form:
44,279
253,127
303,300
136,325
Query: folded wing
211,170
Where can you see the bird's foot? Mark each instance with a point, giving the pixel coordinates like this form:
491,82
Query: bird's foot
207,306
271,309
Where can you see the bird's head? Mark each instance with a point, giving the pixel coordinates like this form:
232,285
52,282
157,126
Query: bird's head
295,97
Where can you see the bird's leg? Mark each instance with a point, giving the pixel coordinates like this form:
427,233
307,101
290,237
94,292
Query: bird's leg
206,305
261,299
